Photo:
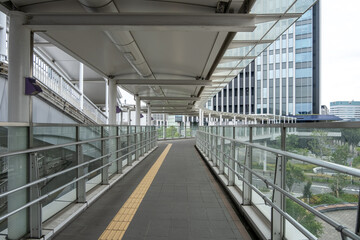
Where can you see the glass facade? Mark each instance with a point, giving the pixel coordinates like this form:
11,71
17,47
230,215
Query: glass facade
282,80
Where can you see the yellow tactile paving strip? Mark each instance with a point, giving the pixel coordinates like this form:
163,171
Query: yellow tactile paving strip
118,225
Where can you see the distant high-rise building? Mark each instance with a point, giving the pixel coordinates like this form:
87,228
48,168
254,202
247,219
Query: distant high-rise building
348,111
283,80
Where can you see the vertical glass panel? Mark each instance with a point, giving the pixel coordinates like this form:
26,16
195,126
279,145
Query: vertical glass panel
133,141
53,161
124,145
91,151
331,192
111,147
160,132
13,174
227,148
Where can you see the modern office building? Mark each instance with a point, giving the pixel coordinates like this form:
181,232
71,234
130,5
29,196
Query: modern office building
347,110
283,80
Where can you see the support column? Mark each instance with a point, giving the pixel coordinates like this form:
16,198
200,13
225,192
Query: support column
19,111
200,118
220,120
149,115
3,52
112,101
107,99
209,121
164,126
81,85
129,116
137,109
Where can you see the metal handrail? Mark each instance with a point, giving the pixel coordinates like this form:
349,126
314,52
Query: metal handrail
303,230
61,187
39,149
266,199
44,179
329,165
328,220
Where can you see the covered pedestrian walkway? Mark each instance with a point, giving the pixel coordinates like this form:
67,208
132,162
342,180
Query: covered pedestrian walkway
174,196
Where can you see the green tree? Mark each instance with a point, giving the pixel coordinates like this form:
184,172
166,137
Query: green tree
341,154
356,160
351,136
338,185
304,217
294,175
320,143
307,191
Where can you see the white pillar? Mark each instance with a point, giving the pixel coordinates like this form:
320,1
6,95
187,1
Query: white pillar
137,110
149,115
107,100
18,111
234,120
129,116
121,117
3,50
164,126
81,85
200,117
112,101
210,122
220,120
245,120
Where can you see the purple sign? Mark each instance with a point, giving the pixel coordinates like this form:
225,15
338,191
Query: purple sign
118,109
31,87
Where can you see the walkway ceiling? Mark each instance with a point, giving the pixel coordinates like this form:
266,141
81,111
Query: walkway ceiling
176,52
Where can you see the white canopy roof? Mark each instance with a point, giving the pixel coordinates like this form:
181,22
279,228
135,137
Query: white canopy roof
174,54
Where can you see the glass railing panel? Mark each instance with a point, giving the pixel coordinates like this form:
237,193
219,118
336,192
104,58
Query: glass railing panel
123,144
53,161
50,162
333,193
111,148
240,150
13,174
133,141
227,148
145,140
267,136
194,128
242,133
263,164
91,151
160,132
53,135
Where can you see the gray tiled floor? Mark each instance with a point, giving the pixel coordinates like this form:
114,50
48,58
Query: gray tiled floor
182,203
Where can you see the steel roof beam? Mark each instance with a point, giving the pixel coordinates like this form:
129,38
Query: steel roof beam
162,82
149,21
169,98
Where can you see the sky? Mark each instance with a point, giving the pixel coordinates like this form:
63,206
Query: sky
339,51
